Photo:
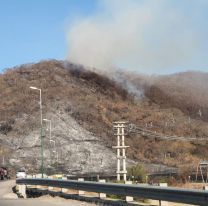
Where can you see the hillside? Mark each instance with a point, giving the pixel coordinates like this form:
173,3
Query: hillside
82,106
186,91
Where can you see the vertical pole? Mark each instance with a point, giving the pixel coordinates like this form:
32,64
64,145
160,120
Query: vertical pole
41,118
3,161
42,163
197,169
118,152
57,160
50,129
201,173
41,133
124,153
50,142
57,157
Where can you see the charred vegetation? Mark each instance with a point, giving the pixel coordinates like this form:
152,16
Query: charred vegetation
95,101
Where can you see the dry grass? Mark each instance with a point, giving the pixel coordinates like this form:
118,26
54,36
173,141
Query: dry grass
95,102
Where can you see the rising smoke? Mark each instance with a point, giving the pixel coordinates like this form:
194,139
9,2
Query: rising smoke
145,35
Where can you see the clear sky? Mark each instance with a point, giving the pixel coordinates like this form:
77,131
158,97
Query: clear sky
34,30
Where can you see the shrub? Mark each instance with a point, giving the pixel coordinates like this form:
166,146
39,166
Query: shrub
137,173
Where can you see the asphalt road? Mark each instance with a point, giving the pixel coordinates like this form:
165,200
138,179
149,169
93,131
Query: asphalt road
6,189
8,198
43,202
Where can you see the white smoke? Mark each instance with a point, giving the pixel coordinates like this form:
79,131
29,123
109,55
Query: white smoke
145,35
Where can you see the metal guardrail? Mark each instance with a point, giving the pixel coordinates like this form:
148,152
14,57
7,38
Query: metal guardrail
188,196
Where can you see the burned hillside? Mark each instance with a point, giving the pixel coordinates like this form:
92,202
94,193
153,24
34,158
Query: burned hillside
74,97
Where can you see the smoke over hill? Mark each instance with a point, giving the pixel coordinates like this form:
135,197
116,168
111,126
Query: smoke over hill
146,36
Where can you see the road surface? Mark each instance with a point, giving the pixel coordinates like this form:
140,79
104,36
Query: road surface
8,198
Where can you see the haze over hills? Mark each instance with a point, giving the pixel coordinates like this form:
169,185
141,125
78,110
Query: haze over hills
82,105
186,91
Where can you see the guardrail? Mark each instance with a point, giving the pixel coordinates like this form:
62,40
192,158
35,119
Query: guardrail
187,196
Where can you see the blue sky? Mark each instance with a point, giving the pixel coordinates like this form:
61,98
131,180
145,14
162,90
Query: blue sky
34,30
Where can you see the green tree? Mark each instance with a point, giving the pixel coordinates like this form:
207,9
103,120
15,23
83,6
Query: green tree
137,173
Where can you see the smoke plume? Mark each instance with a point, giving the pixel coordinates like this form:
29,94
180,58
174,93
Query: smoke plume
144,35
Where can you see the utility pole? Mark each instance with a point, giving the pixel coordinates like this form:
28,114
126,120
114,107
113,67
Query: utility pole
119,128
41,130
48,120
3,160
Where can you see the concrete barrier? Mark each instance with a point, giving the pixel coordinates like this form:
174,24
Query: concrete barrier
22,190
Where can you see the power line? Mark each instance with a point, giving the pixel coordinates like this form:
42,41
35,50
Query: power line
155,135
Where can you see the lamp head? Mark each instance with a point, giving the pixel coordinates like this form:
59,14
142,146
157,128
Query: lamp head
33,88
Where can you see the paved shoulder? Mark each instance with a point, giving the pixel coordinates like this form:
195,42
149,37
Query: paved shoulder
45,201
6,190
8,198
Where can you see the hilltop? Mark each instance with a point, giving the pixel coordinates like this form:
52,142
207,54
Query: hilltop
82,105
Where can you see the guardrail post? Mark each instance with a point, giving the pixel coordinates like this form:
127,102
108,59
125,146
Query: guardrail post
34,177
80,192
22,190
30,186
205,187
64,190
102,195
129,198
49,187
163,203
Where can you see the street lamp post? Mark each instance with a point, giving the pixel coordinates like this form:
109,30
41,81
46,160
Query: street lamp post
50,140
54,144
56,152
47,120
41,130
